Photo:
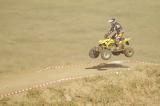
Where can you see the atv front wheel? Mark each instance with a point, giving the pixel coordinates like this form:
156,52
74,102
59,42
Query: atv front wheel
106,54
93,53
128,52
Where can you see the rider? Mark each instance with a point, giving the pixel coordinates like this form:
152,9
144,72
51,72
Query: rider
115,26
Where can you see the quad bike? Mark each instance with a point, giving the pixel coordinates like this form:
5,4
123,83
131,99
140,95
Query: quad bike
108,47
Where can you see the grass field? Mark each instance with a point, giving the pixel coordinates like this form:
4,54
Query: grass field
39,33
36,33
139,87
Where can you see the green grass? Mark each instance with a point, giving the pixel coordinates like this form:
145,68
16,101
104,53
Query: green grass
36,33
138,87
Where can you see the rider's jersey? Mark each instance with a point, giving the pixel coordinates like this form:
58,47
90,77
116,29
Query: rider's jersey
116,27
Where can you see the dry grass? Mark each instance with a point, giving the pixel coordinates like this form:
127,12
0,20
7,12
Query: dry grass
139,87
36,33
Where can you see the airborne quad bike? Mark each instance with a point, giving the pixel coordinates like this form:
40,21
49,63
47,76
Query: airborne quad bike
108,47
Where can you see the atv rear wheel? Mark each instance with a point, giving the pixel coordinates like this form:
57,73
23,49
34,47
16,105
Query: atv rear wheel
106,54
93,53
128,52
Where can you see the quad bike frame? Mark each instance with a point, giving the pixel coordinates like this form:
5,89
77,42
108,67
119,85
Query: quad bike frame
108,47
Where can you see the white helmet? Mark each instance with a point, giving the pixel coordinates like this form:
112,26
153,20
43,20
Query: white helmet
111,20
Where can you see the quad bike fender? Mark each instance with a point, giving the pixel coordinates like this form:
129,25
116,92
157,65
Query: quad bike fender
125,41
102,41
107,41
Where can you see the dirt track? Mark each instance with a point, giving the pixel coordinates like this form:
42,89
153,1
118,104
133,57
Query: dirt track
14,84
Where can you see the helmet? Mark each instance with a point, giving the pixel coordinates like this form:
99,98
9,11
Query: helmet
111,20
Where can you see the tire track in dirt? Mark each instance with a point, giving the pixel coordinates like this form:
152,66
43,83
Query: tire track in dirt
49,68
